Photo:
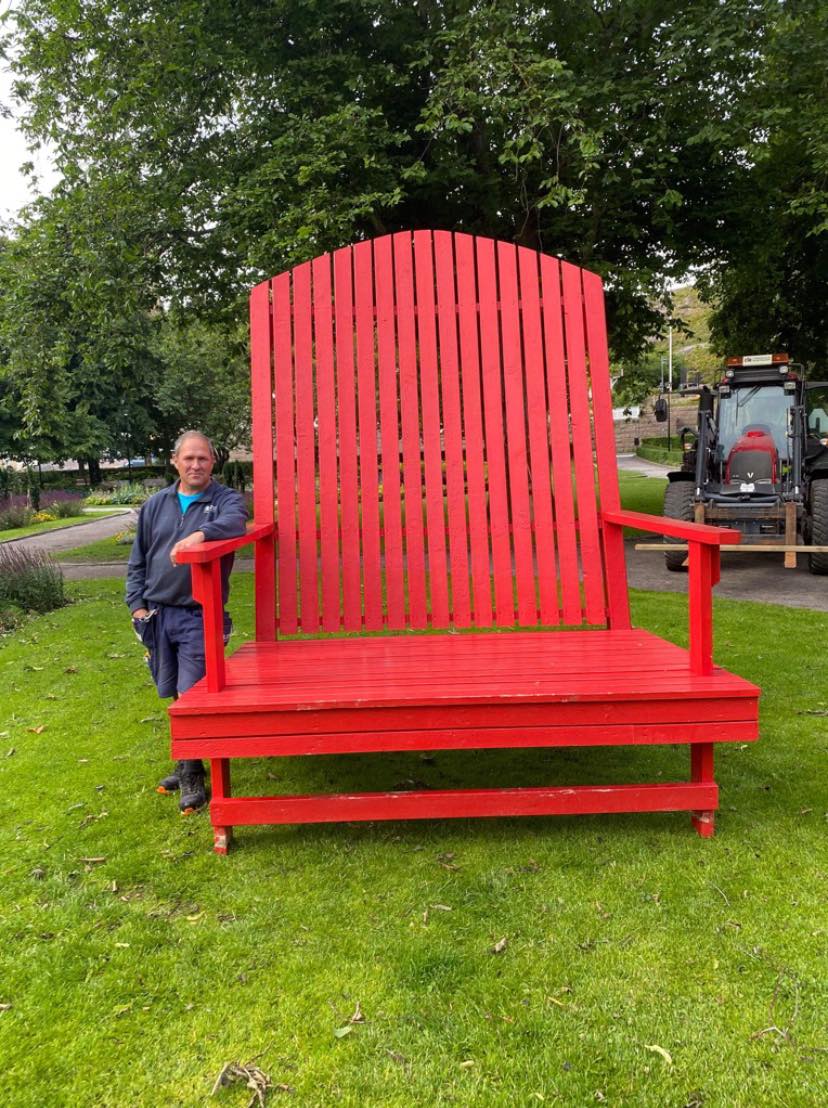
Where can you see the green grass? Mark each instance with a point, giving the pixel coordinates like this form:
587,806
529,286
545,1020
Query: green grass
134,977
102,551
53,525
639,494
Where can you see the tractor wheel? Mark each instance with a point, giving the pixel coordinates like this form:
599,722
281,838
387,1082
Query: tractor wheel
818,563
678,504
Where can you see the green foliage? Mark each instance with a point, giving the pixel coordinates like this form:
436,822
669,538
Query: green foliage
655,450
29,580
770,279
14,516
127,494
200,152
236,475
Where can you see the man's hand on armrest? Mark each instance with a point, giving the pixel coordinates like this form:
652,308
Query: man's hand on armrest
196,539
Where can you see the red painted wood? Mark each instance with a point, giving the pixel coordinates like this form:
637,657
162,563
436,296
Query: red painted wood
494,431
305,447
390,436
675,528
210,551
700,608
560,441
410,424
220,789
701,772
346,405
257,718
430,428
285,457
465,803
438,671
513,385
536,410
261,387
484,368
582,447
615,569
445,269
367,412
473,430
483,738
207,591
328,461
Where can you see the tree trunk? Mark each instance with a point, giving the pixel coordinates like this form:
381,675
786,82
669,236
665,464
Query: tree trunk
94,467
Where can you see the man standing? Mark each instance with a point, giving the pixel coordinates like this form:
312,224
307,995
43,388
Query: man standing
166,618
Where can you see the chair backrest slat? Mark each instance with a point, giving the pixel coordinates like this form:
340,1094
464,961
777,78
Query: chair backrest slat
443,438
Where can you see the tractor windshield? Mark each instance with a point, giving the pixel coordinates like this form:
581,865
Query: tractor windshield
817,397
761,407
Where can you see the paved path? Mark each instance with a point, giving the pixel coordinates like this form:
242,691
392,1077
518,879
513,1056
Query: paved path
634,464
76,534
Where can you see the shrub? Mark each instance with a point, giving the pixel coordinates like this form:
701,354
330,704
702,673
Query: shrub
29,580
65,508
129,494
127,536
14,516
44,517
10,617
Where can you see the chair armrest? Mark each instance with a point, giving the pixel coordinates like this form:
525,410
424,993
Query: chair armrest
704,550
675,528
209,551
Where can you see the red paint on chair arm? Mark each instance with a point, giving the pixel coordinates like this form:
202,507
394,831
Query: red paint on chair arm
675,528
208,551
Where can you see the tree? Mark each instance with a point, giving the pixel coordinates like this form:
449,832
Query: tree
239,137
770,279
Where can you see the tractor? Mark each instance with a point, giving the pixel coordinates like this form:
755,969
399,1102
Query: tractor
757,459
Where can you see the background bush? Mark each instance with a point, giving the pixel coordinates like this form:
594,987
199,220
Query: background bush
15,515
129,494
29,581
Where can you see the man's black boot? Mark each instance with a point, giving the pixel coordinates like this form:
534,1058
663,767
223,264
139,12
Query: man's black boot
171,783
193,791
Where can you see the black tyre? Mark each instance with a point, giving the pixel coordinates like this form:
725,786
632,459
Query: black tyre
818,563
678,504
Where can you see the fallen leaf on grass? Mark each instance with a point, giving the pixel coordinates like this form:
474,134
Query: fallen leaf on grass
441,907
10,752
41,727
123,946
195,918
467,1065
116,655
71,669
5,1007
357,1017
500,946
254,1078
33,669
150,719
394,1055
93,861
341,1032
656,1049
38,873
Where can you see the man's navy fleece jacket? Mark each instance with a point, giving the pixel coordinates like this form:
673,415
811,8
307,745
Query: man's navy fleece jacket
152,579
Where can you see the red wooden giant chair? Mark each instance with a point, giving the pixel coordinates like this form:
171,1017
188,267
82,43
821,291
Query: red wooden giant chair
432,418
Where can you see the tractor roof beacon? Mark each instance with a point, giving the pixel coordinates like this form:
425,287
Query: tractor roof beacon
758,459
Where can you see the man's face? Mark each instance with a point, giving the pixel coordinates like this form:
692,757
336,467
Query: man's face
194,463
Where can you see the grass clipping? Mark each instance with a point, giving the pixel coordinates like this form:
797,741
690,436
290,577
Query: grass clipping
234,1073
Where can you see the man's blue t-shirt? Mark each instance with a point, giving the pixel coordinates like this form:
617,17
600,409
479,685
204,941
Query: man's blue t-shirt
185,501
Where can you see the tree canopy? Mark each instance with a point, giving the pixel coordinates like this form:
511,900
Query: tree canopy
205,146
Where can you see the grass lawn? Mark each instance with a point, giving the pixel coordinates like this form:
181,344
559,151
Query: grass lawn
643,965
52,525
638,494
